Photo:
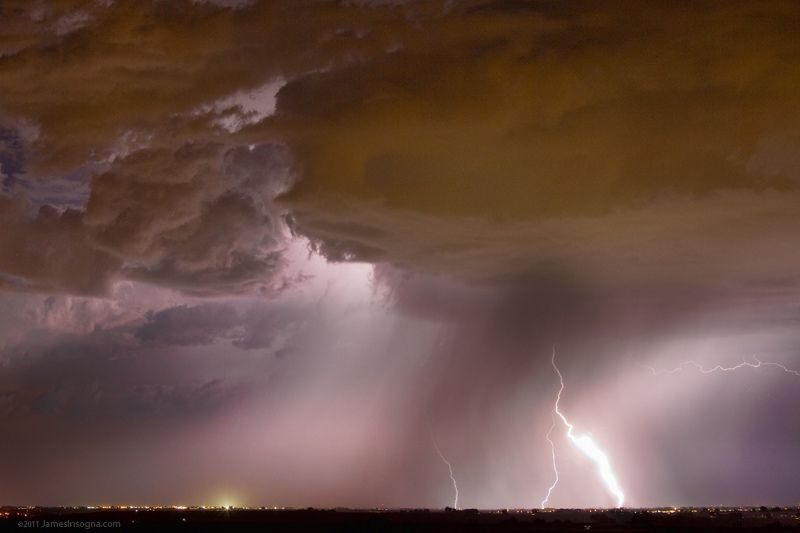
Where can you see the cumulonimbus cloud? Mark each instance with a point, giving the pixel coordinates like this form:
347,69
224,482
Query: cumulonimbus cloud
484,139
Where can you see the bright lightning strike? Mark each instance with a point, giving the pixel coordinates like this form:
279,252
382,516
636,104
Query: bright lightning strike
555,466
449,469
719,368
587,446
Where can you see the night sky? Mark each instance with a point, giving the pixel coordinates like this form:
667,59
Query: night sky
284,252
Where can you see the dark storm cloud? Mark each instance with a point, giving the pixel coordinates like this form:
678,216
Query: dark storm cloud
619,143
513,136
255,328
187,326
178,402
130,356
198,218
136,99
149,66
50,251
12,156
261,327
137,368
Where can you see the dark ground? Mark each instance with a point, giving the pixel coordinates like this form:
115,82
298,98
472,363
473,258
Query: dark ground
666,520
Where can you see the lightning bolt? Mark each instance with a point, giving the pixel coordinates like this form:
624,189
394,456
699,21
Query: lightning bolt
555,466
719,368
449,469
587,447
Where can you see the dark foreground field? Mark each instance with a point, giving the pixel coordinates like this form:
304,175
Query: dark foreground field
679,520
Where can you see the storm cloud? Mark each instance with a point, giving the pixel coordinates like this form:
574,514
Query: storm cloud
518,134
